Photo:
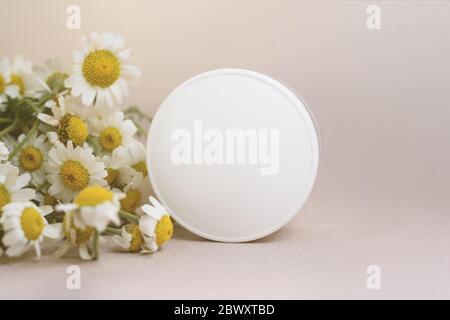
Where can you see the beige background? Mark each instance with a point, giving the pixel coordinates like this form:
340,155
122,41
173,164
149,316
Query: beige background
381,99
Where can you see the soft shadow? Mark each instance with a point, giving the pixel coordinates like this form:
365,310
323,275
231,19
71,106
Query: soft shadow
47,254
181,233
283,235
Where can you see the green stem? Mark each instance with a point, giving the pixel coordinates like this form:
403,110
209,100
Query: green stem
94,142
32,106
9,128
42,186
128,216
46,98
134,109
113,231
54,218
24,140
95,244
6,120
141,131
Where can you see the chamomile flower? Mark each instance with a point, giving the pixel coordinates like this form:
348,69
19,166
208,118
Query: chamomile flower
113,163
52,74
6,87
131,239
70,170
23,77
153,230
133,199
12,185
4,152
45,199
102,72
132,175
113,130
68,117
155,225
76,237
136,154
95,207
32,156
25,226
135,192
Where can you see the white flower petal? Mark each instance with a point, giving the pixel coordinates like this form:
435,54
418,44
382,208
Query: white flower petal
88,95
122,243
63,249
12,237
37,248
79,87
131,71
115,89
84,252
48,119
78,57
13,91
53,231
66,207
125,54
23,195
16,250
45,210
21,181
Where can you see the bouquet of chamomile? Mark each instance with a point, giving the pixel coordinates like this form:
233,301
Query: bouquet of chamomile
72,167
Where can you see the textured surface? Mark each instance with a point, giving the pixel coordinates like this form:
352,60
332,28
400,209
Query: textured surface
381,100
312,257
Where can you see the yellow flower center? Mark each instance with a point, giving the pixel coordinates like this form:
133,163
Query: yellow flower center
56,79
110,138
30,158
92,196
72,128
132,201
49,200
32,223
141,167
2,84
81,235
5,197
101,68
164,230
74,175
136,238
112,175
18,81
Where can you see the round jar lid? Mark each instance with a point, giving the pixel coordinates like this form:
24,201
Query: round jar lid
232,154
